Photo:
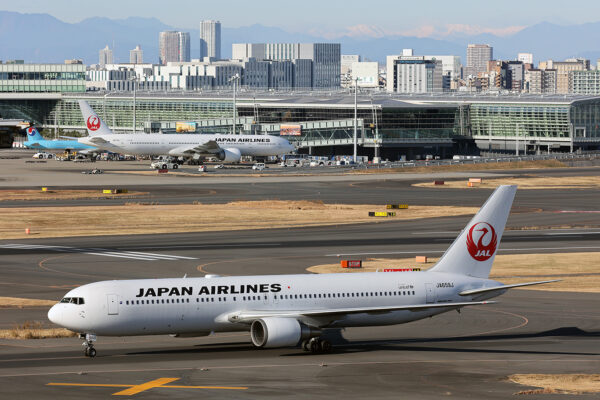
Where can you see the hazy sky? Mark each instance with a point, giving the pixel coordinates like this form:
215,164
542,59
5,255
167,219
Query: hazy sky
331,17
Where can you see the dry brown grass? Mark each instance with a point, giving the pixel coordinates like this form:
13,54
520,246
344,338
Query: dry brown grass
35,330
558,383
13,195
18,302
583,182
138,218
468,167
578,271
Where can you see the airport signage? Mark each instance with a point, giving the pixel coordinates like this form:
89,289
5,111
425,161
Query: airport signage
185,127
290,130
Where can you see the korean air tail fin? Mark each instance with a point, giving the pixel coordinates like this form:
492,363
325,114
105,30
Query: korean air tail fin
94,124
33,134
472,252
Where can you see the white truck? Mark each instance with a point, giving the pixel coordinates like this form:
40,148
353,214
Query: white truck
164,164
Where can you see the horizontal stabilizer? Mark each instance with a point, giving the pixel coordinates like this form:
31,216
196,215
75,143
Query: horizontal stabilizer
503,287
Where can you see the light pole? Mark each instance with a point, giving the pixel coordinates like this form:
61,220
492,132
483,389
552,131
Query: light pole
135,80
355,115
234,79
104,106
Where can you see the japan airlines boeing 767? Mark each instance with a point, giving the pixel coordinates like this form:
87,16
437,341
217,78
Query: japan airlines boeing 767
227,148
287,310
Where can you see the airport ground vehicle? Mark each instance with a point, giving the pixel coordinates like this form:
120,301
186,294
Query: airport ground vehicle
259,166
164,164
288,310
43,156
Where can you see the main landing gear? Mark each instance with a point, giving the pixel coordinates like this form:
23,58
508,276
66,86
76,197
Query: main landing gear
88,342
317,345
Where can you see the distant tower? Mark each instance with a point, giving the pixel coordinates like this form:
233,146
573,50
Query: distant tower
136,56
173,46
478,56
210,39
105,56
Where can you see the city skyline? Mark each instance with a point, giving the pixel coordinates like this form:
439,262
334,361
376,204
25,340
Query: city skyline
461,17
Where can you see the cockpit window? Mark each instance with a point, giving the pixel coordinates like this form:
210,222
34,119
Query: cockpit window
73,300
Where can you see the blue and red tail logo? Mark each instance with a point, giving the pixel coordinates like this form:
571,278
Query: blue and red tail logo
482,241
31,131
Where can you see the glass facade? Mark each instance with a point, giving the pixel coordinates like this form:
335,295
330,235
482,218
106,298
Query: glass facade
525,120
586,119
56,78
116,112
393,123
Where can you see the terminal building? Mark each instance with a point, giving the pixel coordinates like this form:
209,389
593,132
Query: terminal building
322,123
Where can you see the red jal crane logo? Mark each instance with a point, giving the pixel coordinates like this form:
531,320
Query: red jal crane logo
482,241
93,123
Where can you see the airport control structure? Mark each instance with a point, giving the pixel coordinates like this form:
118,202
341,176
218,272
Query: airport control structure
322,123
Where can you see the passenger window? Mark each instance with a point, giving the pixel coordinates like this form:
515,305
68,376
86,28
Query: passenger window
213,299
138,302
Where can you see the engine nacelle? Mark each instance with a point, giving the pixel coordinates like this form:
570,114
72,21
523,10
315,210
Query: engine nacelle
232,155
280,332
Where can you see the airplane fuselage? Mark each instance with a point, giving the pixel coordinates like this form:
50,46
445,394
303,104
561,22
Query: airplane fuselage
202,305
161,144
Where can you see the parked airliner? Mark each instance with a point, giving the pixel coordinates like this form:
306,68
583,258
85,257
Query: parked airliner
227,148
36,141
288,310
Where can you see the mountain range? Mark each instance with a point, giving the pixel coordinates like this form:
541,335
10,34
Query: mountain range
42,38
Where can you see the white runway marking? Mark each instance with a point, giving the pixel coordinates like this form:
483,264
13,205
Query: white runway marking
132,255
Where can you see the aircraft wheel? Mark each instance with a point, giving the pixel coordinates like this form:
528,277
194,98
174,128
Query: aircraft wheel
175,166
92,352
326,346
305,346
164,166
315,345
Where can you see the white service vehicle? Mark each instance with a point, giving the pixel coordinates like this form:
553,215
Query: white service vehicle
42,155
259,166
164,164
288,310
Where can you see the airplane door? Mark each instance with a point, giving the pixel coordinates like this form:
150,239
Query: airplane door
430,293
113,304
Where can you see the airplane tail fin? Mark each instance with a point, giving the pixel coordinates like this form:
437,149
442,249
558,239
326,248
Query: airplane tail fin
33,134
472,252
93,122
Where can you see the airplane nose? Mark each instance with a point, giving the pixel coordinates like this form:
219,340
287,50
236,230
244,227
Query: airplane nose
55,315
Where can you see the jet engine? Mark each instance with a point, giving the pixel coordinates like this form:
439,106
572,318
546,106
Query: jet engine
229,155
280,332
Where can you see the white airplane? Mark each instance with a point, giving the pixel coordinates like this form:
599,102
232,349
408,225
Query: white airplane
288,310
227,148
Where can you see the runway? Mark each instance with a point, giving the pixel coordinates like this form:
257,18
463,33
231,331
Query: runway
466,355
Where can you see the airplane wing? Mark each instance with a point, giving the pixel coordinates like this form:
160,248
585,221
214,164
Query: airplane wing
503,287
249,316
210,147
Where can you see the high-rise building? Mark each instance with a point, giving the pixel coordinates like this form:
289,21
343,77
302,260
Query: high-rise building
347,60
563,69
478,56
525,58
413,74
174,46
325,58
136,56
585,82
210,39
105,56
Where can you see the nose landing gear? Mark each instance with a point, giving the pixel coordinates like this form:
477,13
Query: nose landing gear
88,342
